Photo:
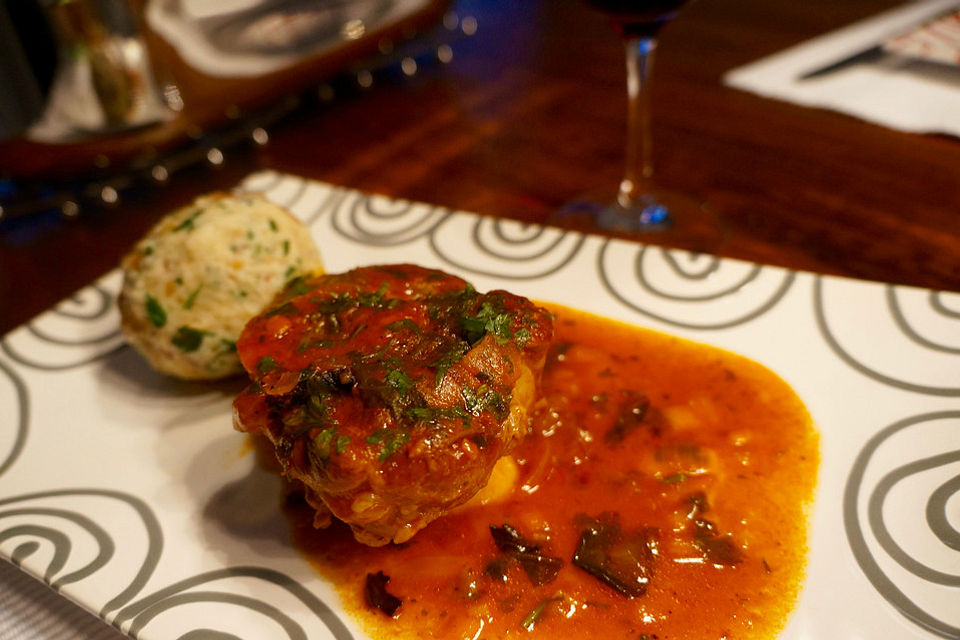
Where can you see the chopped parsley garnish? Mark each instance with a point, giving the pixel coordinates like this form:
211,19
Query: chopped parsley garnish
522,336
155,313
484,398
286,309
188,303
422,413
320,343
390,441
400,381
265,364
327,439
356,331
374,299
434,414
487,321
273,225
530,620
296,287
188,224
188,339
338,302
447,360
405,323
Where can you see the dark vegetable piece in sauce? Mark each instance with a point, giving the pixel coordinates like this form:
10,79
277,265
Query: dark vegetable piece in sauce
635,413
377,596
719,550
623,560
698,504
539,567
455,582
498,569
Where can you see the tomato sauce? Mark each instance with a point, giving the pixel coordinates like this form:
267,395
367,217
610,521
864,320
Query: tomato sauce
702,460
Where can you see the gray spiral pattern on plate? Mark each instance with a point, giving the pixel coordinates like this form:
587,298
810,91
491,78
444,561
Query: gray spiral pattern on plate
923,344
896,310
381,222
274,189
60,541
139,614
266,182
521,251
18,418
936,303
26,505
649,294
936,521
89,337
330,202
38,525
77,306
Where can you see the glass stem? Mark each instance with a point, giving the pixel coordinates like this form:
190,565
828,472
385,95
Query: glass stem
638,171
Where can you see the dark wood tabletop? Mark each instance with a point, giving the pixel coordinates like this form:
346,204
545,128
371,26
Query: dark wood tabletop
529,114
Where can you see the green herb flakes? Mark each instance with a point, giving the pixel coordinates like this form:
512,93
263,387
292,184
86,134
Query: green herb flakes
446,361
484,398
390,441
265,364
286,309
189,223
188,303
155,313
522,337
188,339
487,320
323,440
296,287
399,381
405,324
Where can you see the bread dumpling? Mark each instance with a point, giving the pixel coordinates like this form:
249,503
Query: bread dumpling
196,278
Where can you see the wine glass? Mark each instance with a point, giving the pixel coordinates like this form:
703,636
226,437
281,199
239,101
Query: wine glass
641,206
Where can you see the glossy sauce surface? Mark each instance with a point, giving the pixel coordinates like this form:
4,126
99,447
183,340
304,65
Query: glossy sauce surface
708,459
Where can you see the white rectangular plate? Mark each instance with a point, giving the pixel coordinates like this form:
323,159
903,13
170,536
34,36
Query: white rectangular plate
130,493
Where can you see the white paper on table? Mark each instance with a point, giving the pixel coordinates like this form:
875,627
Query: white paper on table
897,92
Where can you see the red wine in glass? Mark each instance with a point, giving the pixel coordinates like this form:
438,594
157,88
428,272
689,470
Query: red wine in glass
640,206
638,17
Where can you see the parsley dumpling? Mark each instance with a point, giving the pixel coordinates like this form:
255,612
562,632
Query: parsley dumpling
196,278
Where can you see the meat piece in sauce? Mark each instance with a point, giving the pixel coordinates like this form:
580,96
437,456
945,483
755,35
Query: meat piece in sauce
390,392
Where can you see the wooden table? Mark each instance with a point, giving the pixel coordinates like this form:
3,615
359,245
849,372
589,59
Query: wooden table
530,113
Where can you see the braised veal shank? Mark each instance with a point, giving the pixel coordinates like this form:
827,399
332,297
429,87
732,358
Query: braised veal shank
390,392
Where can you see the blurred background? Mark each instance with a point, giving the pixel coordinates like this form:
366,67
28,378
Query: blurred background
114,112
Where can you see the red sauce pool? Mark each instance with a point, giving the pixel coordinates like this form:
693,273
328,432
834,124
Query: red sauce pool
657,430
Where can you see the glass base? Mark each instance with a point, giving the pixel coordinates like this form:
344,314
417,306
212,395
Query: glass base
660,217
